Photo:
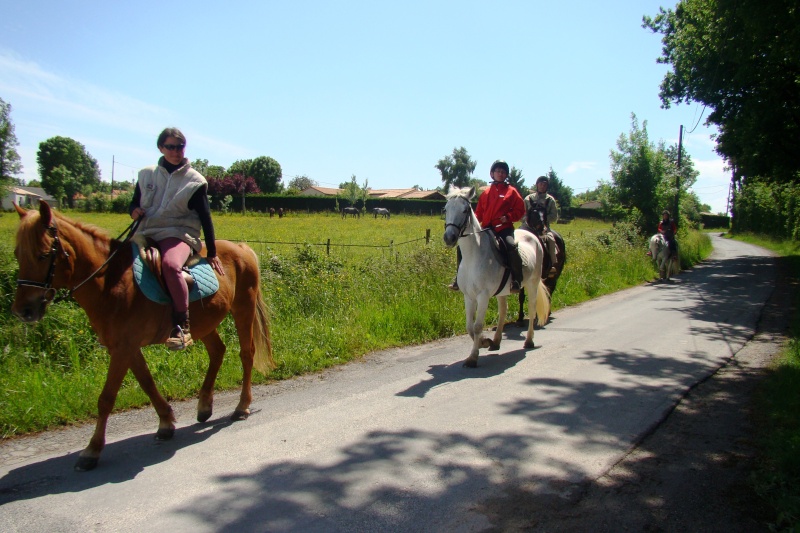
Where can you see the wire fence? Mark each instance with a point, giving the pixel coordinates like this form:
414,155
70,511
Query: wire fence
261,247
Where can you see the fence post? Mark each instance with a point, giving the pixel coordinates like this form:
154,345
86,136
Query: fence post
428,236
328,247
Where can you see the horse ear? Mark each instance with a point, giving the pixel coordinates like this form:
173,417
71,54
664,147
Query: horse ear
471,192
22,212
45,213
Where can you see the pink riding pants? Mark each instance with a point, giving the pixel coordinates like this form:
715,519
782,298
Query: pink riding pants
174,253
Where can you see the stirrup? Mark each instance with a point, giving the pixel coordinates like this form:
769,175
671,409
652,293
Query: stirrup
515,287
453,286
179,339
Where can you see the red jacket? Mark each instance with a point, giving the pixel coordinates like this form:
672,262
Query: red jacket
669,227
498,200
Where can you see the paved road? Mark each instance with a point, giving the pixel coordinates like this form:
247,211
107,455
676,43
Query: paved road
407,439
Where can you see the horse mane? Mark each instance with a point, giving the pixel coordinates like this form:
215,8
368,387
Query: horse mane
100,237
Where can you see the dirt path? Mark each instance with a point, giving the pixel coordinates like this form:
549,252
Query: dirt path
691,473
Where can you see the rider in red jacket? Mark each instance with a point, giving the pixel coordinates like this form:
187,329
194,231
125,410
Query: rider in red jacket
668,229
498,208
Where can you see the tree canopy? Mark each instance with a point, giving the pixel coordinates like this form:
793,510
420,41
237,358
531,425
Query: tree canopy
66,168
266,171
10,164
645,178
562,193
741,59
301,183
456,169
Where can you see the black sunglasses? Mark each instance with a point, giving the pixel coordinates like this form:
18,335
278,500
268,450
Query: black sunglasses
174,147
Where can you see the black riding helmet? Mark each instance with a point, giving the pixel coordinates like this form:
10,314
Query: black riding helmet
542,179
499,164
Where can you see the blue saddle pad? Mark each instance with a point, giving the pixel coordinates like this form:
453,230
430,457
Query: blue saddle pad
205,280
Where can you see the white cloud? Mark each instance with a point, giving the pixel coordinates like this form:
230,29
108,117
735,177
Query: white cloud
576,166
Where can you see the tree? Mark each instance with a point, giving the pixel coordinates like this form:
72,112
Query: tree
80,167
265,170
742,60
353,193
301,183
456,169
562,193
10,164
637,171
515,178
231,185
207,170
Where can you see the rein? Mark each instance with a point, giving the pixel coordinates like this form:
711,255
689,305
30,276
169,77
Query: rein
55,248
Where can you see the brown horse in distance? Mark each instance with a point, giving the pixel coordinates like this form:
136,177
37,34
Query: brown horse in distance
55,252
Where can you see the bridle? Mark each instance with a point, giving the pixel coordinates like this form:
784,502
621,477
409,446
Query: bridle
462,227
55,249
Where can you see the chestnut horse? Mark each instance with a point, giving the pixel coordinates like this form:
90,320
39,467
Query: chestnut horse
55,252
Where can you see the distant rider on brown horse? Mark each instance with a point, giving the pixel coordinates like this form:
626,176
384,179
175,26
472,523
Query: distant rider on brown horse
547,204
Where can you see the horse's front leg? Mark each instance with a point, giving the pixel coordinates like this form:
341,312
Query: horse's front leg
117,368
502,311
166,417
476,316
216,352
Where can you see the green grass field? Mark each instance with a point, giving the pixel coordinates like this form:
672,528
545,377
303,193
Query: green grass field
380,283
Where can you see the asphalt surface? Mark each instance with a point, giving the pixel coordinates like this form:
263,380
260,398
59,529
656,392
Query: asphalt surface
408,439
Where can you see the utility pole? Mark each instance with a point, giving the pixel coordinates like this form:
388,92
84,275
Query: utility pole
675,213
112,177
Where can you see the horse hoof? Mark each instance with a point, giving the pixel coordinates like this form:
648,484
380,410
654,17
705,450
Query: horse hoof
239,415
494,347
84,464
165,433
470,363
529,345
203,416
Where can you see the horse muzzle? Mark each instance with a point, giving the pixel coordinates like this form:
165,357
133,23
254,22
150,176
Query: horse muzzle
31,310
451,236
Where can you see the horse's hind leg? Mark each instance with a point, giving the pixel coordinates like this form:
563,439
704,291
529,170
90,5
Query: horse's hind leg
216,352
502,311
247,349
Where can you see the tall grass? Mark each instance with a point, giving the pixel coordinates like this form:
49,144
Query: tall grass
379,284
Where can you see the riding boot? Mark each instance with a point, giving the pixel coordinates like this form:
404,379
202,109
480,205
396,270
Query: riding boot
551,249
180,337
515,262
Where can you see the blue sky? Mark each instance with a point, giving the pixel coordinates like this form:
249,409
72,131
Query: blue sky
377,90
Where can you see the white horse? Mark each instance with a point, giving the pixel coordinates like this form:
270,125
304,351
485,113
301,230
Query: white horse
481,274
666,262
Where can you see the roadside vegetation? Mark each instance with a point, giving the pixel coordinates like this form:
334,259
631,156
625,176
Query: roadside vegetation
777,478
379,284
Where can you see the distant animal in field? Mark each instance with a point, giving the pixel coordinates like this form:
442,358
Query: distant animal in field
281,212
381,212
271,212
352,211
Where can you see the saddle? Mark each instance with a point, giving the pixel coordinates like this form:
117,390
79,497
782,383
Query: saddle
150,255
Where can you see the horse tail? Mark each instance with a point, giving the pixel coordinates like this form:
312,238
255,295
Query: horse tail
542,303
262,358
